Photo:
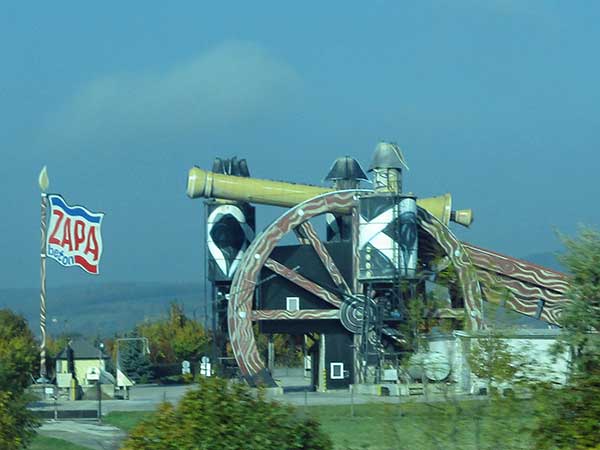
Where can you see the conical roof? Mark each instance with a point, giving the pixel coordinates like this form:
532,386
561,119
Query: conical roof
346,168
388,155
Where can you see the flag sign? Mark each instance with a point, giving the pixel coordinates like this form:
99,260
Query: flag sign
74,238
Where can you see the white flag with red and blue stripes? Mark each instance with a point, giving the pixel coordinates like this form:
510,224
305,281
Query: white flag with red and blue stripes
74,237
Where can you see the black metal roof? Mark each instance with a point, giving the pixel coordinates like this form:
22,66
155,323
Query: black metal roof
82,350
346,168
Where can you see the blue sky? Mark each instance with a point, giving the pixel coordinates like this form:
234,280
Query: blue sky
494,101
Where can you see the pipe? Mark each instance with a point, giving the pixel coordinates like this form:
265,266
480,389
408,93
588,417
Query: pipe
202,183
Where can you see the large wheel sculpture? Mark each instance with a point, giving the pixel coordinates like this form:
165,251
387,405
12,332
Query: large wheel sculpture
241,315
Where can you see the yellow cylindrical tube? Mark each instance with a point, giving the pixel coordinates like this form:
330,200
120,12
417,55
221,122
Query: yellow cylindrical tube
202,183
462,216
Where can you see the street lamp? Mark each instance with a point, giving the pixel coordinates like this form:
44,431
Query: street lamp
99,384
61,327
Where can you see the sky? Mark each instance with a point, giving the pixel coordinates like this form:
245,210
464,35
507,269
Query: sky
497,102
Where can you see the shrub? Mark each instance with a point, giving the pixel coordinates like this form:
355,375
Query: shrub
569,417
222,415
17,424
18,356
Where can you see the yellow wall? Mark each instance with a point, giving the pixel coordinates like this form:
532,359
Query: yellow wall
81,367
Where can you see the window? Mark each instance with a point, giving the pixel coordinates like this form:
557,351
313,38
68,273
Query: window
292,303
336,370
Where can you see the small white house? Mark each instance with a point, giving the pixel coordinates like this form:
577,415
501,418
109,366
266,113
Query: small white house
447,357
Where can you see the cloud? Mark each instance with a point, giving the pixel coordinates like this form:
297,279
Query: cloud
224,85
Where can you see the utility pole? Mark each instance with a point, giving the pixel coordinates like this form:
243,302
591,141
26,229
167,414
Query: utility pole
99,384
44,183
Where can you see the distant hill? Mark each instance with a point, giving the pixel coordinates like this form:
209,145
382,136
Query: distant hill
103,309
546,259
108,308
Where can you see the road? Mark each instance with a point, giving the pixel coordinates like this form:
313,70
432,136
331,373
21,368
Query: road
148,397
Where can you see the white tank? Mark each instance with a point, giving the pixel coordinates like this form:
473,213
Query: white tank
407,242
432,365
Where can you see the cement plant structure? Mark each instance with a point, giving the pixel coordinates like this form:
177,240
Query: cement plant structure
351,290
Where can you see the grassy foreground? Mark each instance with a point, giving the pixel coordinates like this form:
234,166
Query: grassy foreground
125,420
47,443
416,426
465,425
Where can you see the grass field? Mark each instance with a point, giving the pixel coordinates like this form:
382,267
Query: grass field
464,425
416,426
47,443
125,420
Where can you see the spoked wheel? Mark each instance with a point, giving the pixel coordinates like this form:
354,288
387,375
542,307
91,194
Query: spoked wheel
344,299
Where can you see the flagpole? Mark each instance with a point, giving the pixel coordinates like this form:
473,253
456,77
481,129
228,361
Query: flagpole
44,183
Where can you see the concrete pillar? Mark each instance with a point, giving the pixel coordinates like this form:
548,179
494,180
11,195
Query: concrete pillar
322,374
271,354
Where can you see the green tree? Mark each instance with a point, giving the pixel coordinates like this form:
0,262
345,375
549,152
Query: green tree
503,370
580,318
222,415
286,347
175,338
492,360
18,351
56,344
569,416
496,422
18,359
134,361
